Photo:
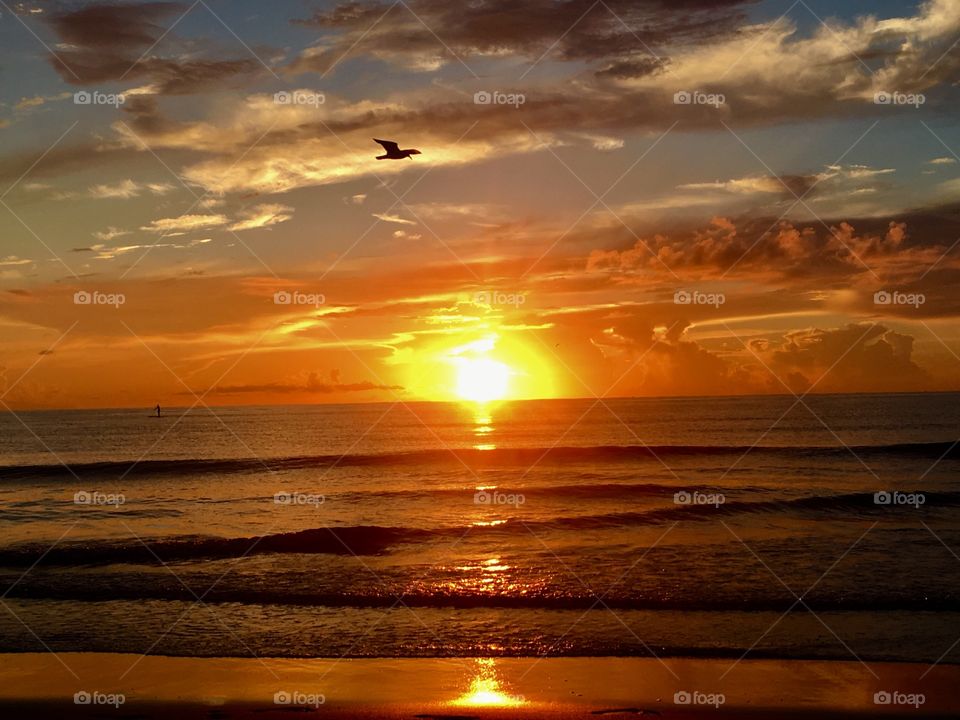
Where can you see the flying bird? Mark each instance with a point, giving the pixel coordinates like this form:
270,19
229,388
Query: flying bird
393,151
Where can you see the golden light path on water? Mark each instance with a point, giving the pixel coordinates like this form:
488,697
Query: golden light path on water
483,427
485,689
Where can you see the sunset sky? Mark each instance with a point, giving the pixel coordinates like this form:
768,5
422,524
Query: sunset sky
551,235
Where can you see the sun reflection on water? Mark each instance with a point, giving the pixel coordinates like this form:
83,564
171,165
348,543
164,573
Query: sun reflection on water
483,427
485,689
485,576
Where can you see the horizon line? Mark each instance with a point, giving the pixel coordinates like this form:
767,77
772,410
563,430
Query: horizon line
149,406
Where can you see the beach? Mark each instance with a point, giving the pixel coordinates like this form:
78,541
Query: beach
489,570
40,685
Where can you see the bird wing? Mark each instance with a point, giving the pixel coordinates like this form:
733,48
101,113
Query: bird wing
388,145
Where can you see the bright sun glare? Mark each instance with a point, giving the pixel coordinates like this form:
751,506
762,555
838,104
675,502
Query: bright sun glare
482,371
485,690
482,379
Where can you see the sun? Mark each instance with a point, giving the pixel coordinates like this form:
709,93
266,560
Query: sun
482,379
478,369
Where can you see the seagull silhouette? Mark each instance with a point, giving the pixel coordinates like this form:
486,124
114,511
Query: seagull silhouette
393,151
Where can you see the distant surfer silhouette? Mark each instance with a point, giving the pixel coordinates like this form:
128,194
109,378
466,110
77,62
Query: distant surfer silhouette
158,409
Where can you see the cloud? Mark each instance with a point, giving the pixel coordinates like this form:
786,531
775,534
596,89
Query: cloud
26,103
768,71
646,357
942,161
779,249
263,216
12,260
185,223
460,211
855,358
105,42
394,315
857,190
109,234
393,219
787,185
312,383
258,216
604,143
105,252
650,349
126,189
208,202
834,178
633,68
258,146
261,147
572,30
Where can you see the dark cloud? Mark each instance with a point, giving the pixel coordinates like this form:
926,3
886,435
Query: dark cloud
828,254
571,30
798,185
633,68
649,350
313,383
768,73
659,359
625,91
854,358
143,115
106,42
114,26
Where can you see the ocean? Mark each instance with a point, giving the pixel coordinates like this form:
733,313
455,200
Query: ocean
706,527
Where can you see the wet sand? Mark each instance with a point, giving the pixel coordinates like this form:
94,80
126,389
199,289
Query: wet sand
41,685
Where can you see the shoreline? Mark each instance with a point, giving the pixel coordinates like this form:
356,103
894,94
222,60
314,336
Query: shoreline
43,685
